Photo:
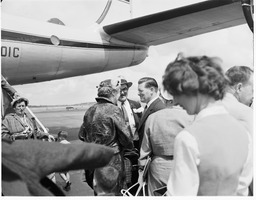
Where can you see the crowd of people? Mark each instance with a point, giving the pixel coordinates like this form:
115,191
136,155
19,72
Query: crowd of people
197,131
192,139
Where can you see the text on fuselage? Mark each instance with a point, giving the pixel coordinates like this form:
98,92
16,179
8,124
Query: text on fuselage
10,52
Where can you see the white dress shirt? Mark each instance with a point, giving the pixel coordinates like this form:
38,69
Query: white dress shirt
130,116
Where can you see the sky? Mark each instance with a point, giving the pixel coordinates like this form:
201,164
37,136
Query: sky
233,45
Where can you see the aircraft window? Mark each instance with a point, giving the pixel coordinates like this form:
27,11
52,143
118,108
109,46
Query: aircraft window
56,21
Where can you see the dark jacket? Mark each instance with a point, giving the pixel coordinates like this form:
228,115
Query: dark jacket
154,106
104,124
7,87
137,116
7,92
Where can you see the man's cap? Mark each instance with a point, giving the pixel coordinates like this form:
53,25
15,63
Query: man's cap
125,82
17,99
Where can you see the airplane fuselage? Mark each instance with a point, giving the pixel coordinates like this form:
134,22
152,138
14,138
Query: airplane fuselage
34,51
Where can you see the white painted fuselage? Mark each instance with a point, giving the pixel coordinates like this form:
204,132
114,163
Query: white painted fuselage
34,51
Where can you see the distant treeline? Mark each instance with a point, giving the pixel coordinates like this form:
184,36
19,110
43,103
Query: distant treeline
74,105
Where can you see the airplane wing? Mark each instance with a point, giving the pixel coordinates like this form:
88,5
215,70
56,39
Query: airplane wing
179,23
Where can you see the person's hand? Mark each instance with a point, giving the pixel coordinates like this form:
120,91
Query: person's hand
140,178
20,136
28,131
16,95
51,138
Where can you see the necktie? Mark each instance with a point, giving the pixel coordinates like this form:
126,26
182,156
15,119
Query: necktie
145,109
124,113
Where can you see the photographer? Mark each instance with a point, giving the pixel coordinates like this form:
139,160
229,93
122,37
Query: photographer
17,125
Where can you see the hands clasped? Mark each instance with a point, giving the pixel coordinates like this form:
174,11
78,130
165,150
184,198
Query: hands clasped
24,134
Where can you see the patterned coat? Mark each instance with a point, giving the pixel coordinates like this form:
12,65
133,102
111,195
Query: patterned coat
104,124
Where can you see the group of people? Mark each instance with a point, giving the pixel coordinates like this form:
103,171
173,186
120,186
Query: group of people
198,132
17,125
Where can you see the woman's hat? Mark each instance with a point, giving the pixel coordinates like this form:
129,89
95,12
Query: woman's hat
124,82
107,86
110,83
20,99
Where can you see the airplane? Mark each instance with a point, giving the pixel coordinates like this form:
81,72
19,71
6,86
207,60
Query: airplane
34,51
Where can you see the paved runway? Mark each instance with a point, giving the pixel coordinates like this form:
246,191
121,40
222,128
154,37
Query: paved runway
78,186
71,122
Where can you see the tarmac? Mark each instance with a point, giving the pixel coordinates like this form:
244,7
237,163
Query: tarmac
70,121
79,187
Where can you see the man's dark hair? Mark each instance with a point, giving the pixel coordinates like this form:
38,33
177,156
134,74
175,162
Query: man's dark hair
149,82
238,74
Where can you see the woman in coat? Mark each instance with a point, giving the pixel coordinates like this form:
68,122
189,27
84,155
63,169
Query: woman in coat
161,129
104,124
18,125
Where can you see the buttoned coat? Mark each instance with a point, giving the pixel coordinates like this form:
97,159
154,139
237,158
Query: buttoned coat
12,124
154,106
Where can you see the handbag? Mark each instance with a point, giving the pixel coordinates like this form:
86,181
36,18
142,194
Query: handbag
130,157
141,190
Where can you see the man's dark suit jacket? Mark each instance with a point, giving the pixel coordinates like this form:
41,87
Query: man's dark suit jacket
137,116
154,106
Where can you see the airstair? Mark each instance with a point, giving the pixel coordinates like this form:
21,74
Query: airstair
6,108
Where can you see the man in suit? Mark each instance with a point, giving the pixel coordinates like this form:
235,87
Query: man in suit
148,93
130,108
132,112
238,98
239,95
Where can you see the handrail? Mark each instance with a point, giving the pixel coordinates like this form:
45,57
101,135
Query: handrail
37,120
